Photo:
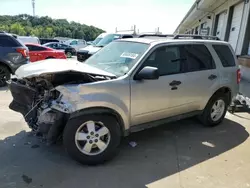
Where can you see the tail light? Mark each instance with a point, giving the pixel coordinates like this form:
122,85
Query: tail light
22,51
238,76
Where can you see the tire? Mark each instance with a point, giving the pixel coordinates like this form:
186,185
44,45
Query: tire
206,116
4,75
68,54
73,145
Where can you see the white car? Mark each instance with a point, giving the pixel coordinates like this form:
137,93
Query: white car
76,43
28,39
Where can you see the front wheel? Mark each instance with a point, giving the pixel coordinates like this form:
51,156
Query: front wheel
92,139
215,110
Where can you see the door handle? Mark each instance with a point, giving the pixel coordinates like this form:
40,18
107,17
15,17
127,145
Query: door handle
175,83
212,77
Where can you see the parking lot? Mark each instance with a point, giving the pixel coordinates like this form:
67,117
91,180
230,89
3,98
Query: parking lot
181,154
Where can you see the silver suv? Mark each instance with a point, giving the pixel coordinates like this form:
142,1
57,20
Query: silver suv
127,86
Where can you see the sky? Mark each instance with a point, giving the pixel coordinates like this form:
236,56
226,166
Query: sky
147,15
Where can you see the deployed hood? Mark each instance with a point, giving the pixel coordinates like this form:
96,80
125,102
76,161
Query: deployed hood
57,65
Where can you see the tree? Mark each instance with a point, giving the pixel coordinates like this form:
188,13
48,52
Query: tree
17,29
47,27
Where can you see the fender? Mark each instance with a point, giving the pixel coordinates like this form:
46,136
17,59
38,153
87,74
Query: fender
101,110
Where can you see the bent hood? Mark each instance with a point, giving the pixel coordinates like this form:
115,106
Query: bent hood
57,65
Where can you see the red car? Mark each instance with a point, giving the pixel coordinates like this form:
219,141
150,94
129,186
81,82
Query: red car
38,52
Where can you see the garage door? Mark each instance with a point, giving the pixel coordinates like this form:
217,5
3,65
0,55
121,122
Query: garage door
221,25
235,26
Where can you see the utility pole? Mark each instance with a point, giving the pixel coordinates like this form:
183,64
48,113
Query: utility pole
33,7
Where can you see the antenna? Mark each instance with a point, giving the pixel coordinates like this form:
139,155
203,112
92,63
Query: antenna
33,7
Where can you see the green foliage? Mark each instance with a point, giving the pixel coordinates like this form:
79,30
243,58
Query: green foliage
46,27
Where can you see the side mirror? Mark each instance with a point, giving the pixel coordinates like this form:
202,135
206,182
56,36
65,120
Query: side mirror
148,73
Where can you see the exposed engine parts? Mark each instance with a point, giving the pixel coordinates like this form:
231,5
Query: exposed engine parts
40,103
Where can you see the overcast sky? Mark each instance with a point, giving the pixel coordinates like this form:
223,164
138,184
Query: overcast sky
147,15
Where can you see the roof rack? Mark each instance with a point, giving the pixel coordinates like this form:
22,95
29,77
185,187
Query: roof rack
179,36
156,35
209,37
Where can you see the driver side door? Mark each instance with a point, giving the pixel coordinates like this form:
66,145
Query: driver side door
158,99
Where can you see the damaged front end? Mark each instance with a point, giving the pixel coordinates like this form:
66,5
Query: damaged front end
35,95
41,107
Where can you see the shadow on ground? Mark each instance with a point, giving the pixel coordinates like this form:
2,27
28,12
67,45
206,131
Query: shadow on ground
160,152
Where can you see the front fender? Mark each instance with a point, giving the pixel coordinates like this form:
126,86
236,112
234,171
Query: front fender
78,101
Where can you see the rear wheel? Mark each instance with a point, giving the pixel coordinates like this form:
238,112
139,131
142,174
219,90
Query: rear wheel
68,54
215,110
4,75
92,139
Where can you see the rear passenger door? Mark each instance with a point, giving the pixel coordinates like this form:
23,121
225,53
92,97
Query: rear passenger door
202,75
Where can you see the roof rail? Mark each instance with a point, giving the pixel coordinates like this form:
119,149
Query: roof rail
179,36
209,37
156,35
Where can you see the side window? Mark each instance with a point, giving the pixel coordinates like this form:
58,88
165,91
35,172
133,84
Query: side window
6,41
63,46
29,47
225,55
167,59
35,48
198,58
74,42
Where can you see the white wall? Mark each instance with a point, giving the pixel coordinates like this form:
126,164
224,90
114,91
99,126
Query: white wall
224,8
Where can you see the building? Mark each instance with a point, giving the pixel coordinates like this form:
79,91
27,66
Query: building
227,19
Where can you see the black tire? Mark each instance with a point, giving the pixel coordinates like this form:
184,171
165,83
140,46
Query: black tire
205,117
68,54
4,75
69,139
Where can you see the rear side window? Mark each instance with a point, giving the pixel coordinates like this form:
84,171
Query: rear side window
35,48
225,55
198,58
7,41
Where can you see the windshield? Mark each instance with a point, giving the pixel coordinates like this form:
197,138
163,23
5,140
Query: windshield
117,57
107,39
95,42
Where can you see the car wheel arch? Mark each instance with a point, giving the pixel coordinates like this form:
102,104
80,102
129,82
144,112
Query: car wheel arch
225,90
101,110
7,66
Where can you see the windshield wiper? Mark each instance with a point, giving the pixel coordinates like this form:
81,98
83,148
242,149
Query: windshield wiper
99,46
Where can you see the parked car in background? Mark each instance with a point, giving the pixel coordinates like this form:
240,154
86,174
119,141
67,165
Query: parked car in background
44,41
76,43
100,37
38,52
128,86
89,42
86,52
28,39
13,54
69,50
